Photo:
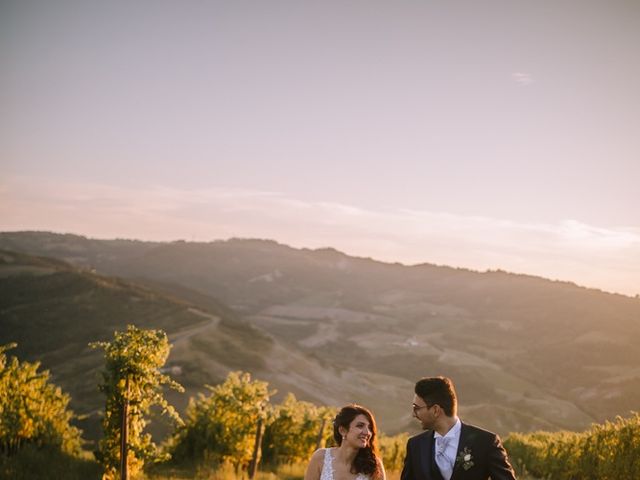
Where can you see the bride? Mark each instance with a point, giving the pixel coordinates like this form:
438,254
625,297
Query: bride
356,456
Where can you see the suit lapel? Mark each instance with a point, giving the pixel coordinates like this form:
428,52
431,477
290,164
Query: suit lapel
426,455
464,442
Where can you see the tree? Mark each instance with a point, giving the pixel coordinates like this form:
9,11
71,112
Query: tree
132,383
222,426
297,429
392,450
33,410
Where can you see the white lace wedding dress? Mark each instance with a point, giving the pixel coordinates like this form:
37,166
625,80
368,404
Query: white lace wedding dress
327,467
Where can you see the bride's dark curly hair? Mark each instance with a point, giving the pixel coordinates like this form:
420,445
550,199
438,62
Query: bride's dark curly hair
366,460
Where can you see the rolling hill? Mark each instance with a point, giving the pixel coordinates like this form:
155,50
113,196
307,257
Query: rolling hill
526,353
53,311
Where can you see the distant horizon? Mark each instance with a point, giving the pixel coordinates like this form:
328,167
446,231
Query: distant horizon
330,247
494,136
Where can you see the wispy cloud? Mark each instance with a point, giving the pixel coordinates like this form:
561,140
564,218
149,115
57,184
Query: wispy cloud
522,78
607,258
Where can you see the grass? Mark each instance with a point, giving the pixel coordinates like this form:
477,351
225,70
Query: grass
224,472
32,463
227,472
281,472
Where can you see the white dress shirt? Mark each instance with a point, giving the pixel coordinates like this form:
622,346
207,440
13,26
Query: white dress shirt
446,449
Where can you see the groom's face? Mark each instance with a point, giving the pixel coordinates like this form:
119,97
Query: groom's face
424,413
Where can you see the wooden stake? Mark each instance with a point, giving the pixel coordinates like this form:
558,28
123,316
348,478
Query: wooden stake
124,435
253,466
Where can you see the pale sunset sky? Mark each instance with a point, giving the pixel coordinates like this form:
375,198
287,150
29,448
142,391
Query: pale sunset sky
478,134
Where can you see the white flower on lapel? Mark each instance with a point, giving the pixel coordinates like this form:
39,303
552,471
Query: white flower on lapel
465,458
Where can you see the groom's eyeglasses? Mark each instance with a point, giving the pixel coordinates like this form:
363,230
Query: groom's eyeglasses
417,408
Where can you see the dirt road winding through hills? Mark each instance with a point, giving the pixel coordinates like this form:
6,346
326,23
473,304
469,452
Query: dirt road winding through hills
180,338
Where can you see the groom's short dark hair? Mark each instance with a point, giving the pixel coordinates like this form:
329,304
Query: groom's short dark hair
438,390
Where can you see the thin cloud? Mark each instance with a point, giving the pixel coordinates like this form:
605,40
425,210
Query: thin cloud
588,236
606,258
523,79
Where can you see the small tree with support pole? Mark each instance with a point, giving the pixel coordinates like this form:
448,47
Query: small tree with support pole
132,384
296,430
257,447
226,426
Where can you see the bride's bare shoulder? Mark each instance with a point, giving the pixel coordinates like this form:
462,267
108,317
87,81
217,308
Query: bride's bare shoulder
319,454
314,469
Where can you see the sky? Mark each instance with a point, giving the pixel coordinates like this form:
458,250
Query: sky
475,134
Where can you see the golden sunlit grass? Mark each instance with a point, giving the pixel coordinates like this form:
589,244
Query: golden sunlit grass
33,462
227,472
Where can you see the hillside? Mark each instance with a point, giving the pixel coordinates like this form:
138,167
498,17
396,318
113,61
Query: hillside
53,311
526,353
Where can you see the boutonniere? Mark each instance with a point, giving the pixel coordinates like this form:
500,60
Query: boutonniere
465,458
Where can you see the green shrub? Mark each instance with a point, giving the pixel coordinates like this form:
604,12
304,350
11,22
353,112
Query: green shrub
132,381
221,427
33,462
33,411
392,450
295,430
605,452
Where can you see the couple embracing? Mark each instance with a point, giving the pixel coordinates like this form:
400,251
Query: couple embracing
447,450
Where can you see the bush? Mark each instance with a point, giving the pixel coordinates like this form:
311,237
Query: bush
33,411
221,428
133,384
605,452
392,450
295,430
48,462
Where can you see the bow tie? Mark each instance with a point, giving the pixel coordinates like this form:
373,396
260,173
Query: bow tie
441,444
444,462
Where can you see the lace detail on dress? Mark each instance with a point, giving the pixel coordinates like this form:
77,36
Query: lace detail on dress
327,467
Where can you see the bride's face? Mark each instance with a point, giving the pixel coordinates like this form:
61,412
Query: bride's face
359,433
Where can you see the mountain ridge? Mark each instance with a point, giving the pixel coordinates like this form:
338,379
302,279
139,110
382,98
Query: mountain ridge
9,236
526,353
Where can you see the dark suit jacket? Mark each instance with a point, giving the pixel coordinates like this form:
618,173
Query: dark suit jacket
488,456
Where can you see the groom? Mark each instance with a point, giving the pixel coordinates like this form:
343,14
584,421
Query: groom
450,449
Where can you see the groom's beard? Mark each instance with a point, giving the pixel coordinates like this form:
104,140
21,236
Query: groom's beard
427,424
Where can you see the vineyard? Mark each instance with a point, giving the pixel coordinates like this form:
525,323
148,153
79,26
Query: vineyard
233,431
605,452
228,433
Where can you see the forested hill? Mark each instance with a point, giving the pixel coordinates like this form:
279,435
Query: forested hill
53,310
526,353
